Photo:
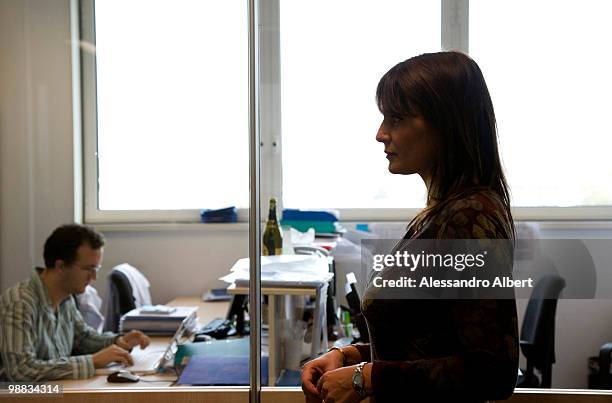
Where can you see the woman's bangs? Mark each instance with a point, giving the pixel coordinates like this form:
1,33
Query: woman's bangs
388,96
392,98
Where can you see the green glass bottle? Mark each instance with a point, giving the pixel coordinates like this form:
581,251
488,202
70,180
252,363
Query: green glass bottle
272,236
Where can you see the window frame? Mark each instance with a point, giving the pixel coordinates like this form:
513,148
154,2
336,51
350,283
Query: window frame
454,35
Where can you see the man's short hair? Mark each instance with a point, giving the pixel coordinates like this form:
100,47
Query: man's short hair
64,242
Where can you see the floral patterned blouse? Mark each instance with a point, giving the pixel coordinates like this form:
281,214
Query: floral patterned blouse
446,349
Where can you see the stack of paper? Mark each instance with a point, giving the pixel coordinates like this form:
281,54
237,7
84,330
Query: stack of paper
156,322
283,271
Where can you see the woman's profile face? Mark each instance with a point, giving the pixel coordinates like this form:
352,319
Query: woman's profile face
411,145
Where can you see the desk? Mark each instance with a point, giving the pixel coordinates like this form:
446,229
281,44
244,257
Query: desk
319,320
99,381
207,311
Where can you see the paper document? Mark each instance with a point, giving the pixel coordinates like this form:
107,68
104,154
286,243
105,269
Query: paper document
284,270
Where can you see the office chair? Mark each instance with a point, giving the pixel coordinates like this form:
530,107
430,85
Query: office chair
121,300
599,373
128,289
538,332
602,378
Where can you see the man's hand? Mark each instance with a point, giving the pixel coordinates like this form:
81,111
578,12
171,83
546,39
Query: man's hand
314,370
110,354
132,339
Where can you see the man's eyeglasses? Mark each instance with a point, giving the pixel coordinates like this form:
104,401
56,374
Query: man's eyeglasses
90,270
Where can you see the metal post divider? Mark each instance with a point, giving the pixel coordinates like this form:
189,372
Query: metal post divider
254,206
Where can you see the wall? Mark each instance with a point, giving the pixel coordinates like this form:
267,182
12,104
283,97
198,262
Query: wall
177,262
36,177
37,190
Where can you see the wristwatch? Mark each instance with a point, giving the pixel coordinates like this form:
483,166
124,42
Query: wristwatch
359,381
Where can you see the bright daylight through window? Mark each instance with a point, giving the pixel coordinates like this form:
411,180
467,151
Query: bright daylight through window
550,82
172,103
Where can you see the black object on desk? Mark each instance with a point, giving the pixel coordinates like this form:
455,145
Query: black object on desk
236,313
217,328
122,376
354,304
202,337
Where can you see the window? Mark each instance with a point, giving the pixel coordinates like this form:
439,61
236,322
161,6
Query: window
550,82
171,105
329,116
165,110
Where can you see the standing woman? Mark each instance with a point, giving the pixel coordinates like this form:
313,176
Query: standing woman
438,123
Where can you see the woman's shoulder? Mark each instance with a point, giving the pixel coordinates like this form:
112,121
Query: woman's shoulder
477,213
478,199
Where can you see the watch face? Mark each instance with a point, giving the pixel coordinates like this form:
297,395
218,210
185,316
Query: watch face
358,378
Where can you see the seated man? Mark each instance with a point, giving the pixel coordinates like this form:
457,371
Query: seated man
42,334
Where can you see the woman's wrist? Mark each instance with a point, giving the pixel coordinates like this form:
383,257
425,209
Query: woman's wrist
337,351
352,355
347,355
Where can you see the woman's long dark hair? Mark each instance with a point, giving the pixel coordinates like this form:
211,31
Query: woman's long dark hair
448,90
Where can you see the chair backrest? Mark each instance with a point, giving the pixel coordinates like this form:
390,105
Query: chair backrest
127,302
538,330
139,283
120,300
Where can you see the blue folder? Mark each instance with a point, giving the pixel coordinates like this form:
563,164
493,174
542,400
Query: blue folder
205,370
